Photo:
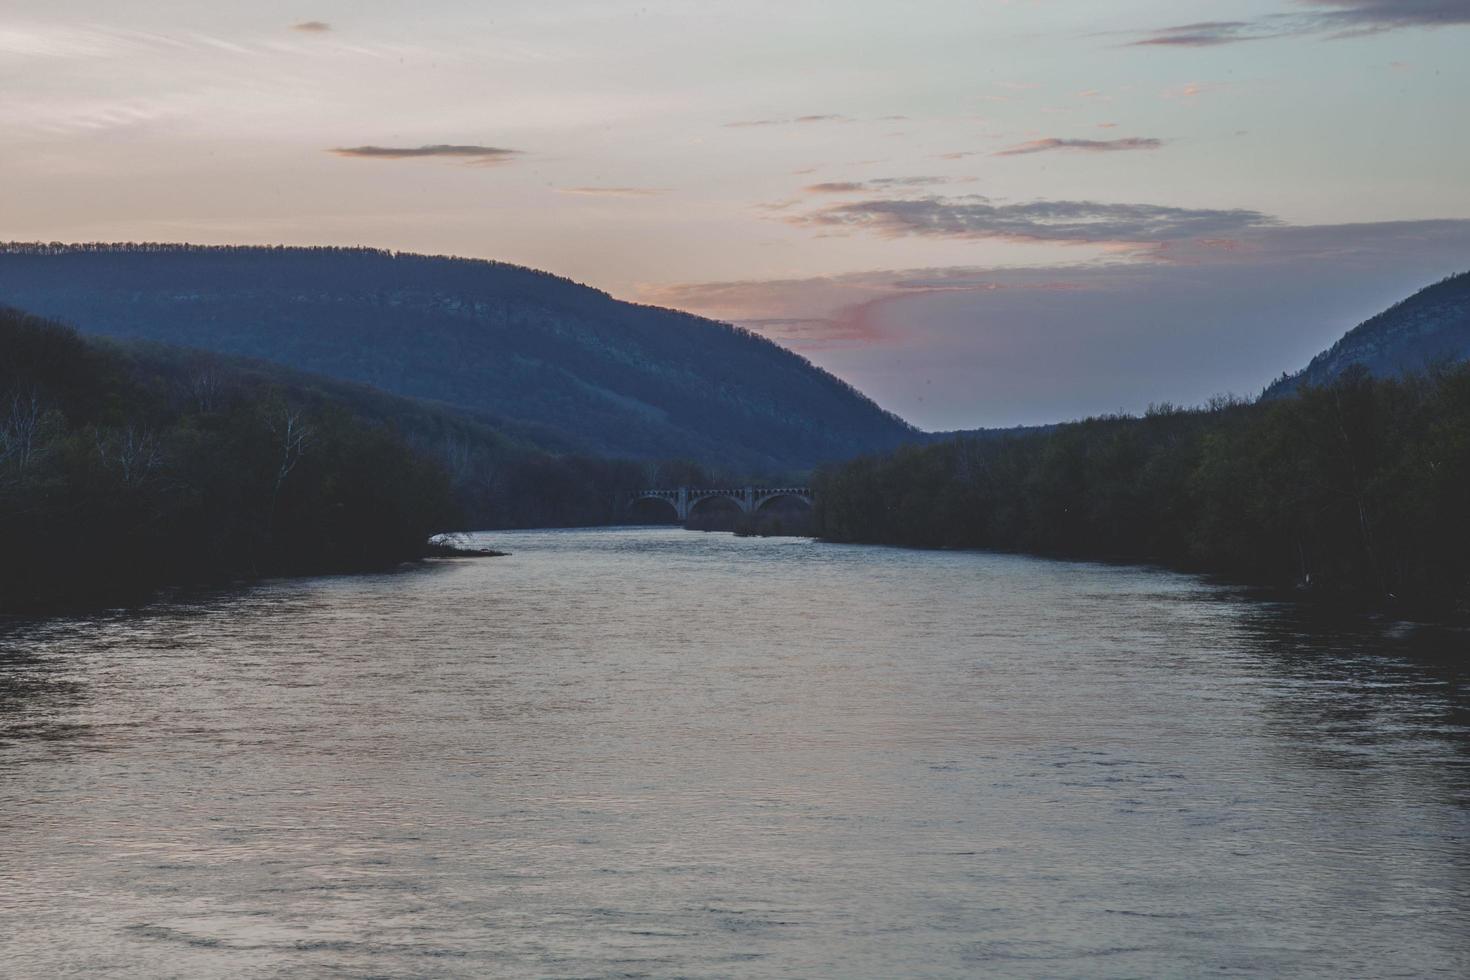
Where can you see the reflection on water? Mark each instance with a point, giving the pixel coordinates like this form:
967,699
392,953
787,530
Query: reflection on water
655,753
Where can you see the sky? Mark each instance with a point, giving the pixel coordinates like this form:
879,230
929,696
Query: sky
981,213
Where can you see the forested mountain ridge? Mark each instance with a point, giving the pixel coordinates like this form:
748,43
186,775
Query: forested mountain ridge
1429,326
125,465
564,364
122,470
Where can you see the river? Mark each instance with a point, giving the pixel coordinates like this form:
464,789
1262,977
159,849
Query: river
652,752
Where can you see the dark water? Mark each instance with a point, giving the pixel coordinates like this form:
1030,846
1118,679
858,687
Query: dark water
658,753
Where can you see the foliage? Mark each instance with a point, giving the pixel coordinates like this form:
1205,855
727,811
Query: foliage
124,466
551,363
1427,328
119,473
1362,487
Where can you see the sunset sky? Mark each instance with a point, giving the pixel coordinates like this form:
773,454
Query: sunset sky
981,212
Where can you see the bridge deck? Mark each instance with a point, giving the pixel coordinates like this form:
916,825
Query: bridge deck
748,499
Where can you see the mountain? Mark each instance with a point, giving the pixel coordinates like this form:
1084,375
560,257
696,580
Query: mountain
555,362
1430,326
126,464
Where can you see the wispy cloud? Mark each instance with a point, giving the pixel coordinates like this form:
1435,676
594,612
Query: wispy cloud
1334,18
97,42
844,312
1391,14
469,153
613,191
1088,146
312,27
1193,90
1204,34
80,42
794,120
879,184
1070,222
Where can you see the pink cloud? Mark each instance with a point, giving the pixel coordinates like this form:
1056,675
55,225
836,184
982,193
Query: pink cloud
1088,146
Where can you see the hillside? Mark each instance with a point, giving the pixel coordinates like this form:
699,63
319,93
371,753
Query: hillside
1430,326
125,465
1355,490
122,470
558,363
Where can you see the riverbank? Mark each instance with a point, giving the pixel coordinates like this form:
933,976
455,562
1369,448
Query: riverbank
1354,492
457,546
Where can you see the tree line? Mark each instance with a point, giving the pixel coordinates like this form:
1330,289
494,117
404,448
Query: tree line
125,466
113,481
1358,488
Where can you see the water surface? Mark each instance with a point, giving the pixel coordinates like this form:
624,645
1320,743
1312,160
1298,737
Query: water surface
657,753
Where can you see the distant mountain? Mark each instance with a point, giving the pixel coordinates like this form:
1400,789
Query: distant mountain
554,362
1431,325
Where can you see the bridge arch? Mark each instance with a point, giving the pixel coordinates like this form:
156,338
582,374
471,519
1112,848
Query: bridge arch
803,498
654,505
729,501
685,501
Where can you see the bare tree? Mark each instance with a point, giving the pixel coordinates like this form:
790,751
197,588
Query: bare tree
291,429
22,430
293,437
458,459
133,451
204,387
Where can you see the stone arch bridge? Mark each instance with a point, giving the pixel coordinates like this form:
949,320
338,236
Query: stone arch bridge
685,500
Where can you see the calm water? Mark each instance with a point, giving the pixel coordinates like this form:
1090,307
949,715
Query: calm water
660,753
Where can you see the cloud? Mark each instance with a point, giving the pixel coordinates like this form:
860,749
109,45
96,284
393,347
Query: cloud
877,184
613,191
1091,146
824,117
825,313
1204,34
1193,90
880,182
312,26
959,347
81,43
1378,15
1334,18
1071,222
472,154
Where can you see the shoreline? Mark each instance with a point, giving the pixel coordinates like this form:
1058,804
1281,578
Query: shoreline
451,547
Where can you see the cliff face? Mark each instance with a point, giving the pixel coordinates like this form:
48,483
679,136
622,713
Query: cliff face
560,364
1432,325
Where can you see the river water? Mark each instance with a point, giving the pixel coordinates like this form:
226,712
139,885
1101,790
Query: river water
643,752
